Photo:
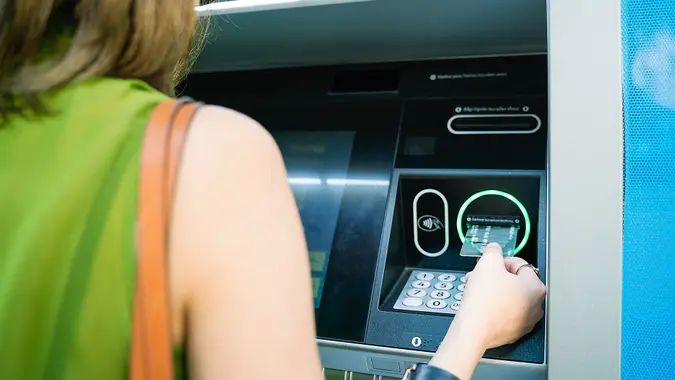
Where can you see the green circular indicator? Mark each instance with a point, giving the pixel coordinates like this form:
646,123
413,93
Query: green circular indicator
480,194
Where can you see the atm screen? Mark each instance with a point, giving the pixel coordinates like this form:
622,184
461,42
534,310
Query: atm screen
317,163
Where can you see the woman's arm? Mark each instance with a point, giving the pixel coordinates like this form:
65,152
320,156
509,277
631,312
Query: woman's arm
503,301
240,269
461,350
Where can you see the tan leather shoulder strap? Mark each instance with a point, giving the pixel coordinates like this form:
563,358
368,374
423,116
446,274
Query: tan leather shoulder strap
151,349
178,135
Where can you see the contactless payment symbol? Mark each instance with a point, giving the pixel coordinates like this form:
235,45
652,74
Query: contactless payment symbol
429,223
434,239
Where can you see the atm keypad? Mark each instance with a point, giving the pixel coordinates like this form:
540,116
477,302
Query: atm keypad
432,292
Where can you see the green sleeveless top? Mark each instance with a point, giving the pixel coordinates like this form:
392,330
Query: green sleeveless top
68,195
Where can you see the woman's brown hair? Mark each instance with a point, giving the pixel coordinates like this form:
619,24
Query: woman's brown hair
46,44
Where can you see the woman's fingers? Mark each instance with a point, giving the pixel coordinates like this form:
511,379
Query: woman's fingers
513,263
522,268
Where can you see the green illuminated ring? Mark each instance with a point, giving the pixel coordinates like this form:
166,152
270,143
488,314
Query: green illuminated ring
480,194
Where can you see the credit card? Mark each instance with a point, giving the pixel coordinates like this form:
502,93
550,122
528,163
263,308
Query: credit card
480,233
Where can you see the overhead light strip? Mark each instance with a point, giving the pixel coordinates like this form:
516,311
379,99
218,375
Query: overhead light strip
245,6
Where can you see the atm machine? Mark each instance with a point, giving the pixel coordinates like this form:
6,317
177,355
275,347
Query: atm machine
414,133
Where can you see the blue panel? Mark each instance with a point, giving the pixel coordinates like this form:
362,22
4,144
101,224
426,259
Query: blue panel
648,331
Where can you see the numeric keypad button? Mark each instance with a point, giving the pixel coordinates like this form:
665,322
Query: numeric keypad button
455,305
436,304
440,294
421,284
425,276
413,301
446,278
443,286
416,293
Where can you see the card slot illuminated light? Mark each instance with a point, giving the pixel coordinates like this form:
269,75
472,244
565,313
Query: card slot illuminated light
503,194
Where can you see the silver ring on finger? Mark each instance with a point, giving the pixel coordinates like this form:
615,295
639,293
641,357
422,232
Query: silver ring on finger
528,265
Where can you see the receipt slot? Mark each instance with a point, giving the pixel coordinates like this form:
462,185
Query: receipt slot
438,222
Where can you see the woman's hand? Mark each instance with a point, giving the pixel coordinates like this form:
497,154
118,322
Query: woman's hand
501,304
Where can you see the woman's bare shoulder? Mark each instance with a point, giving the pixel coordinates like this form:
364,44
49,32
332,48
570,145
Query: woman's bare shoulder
229,160
235,222
214,125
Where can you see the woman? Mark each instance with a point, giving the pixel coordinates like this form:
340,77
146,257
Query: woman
78,81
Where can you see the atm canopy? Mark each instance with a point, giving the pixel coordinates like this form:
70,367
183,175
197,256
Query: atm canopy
298,33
